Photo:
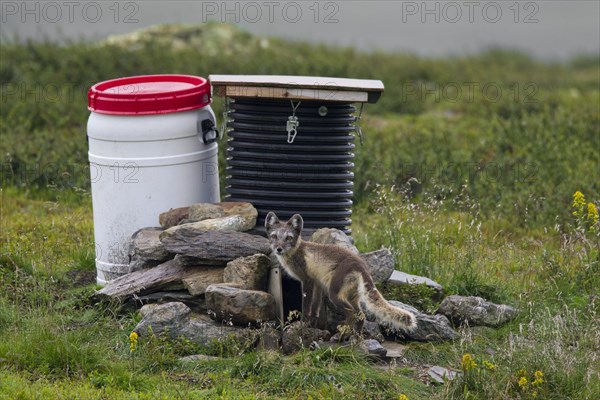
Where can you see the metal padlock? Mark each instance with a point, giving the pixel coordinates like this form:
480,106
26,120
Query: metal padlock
291,127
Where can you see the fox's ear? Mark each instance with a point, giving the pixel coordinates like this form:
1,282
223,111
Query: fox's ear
271,220
296,222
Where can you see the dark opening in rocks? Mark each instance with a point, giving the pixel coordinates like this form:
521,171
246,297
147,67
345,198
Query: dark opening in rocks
292,298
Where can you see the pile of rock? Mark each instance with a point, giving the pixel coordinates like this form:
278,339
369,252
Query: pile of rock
203,275
195,247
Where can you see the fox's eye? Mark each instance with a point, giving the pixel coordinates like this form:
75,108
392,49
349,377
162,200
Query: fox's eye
288,238
273,236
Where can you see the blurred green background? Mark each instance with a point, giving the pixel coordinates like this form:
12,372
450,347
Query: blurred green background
518,135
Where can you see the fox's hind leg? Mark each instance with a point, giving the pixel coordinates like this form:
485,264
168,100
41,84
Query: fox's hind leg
355,318
348,311
344,294
359,316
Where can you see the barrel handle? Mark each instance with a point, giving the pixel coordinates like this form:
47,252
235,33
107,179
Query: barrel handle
205,127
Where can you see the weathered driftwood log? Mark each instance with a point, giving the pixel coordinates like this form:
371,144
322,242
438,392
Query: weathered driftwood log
216,246
166,277
236,223
144,281
186,261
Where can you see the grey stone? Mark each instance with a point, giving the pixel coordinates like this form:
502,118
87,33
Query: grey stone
175,320
371,330
333,236
203,330
442,375
197,280
146,249
146,243
402,278
432,328
476,311
373,349
250,272
216,247
429,327
202,211
173,217
299,335
158,318
240,306
381,264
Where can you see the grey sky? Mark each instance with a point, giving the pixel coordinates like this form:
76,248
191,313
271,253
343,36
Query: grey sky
546,29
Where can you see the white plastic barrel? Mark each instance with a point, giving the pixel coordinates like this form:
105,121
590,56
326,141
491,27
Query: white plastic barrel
152,147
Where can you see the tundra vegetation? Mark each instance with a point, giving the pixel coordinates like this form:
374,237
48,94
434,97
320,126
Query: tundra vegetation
469,172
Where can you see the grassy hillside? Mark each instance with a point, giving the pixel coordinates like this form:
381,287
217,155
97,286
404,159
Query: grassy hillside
467,172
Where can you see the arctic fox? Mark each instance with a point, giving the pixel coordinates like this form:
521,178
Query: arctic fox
335,271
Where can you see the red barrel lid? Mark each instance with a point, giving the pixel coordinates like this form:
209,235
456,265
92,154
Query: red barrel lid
149,94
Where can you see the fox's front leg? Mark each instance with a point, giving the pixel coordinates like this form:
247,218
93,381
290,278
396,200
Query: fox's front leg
315,306
308,288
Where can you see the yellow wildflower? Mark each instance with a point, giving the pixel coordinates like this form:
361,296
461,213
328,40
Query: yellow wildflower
523,382
133,339
468,362
534,393
578,199
592,213
489,365
403,397
522,372
538,378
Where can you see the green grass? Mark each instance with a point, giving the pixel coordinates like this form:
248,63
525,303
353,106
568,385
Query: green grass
475,194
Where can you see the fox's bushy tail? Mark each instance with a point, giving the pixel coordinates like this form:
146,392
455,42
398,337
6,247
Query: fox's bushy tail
387,314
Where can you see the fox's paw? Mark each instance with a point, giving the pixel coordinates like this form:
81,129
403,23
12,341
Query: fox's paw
344,332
